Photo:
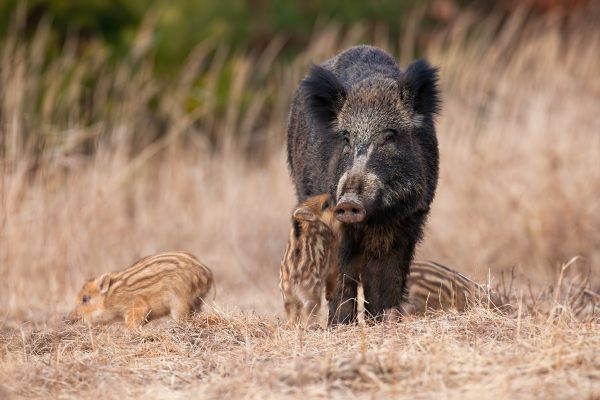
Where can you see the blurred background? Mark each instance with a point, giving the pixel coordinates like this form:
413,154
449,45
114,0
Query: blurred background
129,127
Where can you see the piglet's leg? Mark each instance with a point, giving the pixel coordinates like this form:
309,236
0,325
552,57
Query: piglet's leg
292,311
310,309
180,309
137,314
197,305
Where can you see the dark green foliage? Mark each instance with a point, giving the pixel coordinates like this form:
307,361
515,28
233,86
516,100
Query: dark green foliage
181,24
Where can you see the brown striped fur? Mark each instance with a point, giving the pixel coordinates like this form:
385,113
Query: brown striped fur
173,283
432,286
309,264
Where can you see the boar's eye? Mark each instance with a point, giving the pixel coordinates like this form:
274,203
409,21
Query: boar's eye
325,206
390,134
85,299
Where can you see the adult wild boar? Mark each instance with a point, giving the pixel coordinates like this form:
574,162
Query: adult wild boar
363,131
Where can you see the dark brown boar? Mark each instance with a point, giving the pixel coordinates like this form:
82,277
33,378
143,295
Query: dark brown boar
363,131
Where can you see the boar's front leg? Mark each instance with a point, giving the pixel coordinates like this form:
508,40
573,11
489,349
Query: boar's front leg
384,281
342,306
343,302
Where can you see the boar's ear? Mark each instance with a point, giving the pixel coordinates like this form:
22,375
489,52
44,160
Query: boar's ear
304,214
324,93
419,89
103,283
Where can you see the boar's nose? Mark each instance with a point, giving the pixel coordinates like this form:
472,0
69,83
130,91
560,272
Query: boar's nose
349,210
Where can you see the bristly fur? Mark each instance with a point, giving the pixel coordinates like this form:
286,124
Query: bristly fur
386,162
420,81
324,93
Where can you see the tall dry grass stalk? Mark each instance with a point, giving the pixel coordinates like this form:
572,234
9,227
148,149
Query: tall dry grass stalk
95,175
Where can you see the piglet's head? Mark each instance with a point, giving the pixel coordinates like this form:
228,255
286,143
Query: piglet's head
91,299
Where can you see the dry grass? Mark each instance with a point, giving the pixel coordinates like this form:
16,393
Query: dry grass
519,139
243,355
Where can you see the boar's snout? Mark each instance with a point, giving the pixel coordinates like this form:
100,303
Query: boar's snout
350,210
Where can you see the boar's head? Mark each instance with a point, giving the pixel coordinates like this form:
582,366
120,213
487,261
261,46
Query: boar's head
382,129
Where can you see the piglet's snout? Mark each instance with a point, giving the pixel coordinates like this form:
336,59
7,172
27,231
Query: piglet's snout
71,317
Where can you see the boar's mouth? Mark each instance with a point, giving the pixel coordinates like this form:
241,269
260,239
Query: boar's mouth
350,210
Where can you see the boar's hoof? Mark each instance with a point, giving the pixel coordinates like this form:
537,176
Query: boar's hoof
350,212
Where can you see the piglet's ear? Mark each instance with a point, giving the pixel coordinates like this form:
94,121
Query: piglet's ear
304,214
325,94
103,283
419,89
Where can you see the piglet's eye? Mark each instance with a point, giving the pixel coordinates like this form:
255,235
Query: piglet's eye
85,299
325,206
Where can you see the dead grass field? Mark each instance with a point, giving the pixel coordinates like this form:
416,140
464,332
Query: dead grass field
243,355
520,183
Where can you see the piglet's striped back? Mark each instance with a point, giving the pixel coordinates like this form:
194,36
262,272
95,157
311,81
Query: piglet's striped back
432,286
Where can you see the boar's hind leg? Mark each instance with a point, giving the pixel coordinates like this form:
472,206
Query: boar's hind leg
342,306
383,282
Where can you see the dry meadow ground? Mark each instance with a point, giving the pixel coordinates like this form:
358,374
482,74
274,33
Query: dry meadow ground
518,198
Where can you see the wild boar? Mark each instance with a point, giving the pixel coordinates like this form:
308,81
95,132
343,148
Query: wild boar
173,283
363,131
309,264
